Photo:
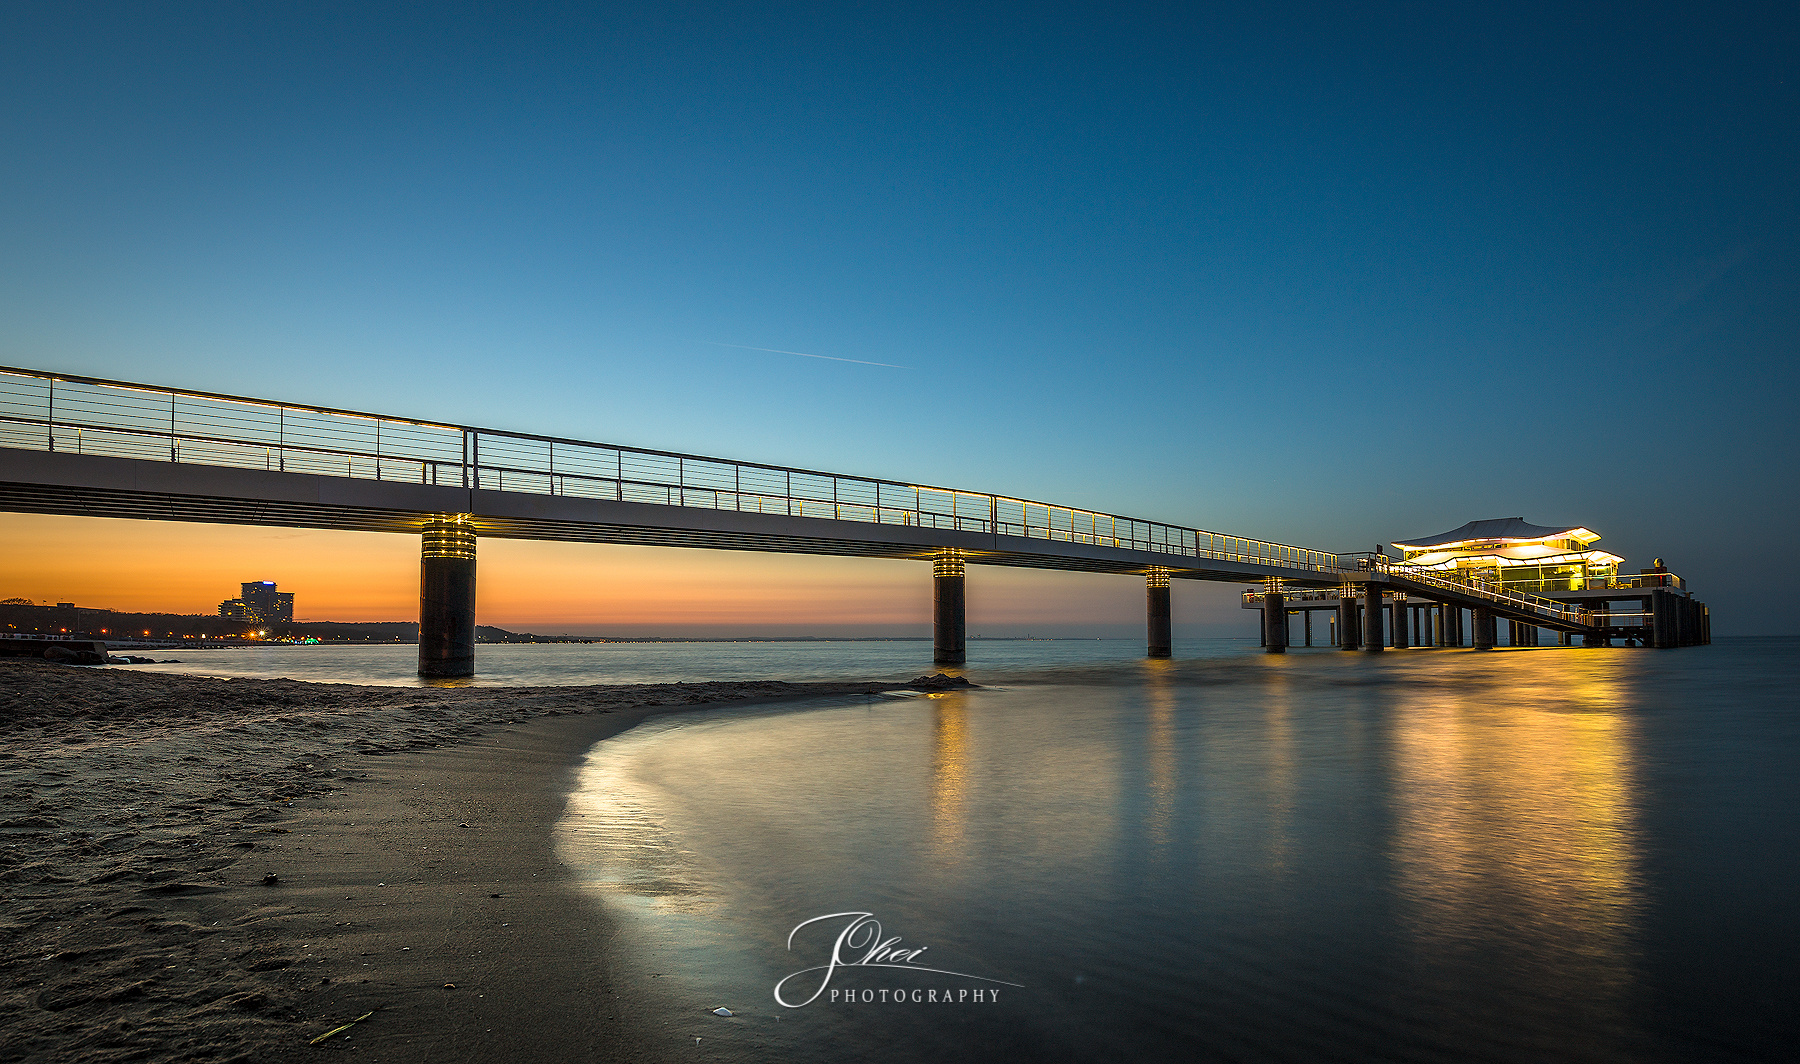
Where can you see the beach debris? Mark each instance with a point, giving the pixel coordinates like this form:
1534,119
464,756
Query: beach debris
721,1011
449,986
271,879
938,681
340,1030
462,825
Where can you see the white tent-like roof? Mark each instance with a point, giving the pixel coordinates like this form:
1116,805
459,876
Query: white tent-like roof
1498,531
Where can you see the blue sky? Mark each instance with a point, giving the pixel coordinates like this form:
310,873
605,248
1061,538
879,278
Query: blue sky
1329,274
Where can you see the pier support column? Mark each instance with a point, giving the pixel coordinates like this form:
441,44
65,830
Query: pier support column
1402,639
1275,622
1156,603
1662,619
1307,621
1346,618
1372,634
1484,629
447,596
949,628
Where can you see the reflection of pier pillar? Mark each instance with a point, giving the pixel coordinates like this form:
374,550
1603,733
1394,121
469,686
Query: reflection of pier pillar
1484,628
1346,618
948,623
1156,603
447,597
1275,622
1372,635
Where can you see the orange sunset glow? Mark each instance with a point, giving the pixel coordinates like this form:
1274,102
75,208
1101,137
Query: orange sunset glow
558,588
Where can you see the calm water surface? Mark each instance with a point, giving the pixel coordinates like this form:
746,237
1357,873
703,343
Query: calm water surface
1535,855
556,664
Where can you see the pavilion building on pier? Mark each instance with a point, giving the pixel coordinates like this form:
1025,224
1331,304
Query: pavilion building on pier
1517,555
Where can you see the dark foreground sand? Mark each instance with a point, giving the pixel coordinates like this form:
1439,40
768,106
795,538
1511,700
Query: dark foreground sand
409,834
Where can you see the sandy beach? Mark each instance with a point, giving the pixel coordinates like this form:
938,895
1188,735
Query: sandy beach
205,869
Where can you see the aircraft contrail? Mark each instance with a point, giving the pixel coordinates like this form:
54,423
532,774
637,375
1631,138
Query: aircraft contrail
803,354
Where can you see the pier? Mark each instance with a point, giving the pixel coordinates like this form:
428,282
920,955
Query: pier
90,447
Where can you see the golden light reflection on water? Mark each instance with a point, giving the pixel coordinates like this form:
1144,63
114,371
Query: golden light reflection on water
1516,818
1159,694
1281,779
948,797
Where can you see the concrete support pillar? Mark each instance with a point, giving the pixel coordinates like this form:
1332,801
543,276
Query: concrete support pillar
1307,620
1662,619
1402,638
447,596
1275,624
1346,619
1602,618
1484,629
1452,625
1372,634
1156,605
949,626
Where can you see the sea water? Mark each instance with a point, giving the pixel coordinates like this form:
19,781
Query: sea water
1435,855
1428,855
558,664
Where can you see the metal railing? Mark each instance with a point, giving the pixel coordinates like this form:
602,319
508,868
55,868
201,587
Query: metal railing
1330,594
1518,600
87,415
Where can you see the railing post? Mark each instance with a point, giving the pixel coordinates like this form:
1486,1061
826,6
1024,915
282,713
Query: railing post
50,417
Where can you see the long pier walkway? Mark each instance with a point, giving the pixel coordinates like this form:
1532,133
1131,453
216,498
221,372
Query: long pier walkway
92,447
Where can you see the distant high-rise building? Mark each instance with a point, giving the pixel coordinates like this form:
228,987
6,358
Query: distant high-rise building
260,602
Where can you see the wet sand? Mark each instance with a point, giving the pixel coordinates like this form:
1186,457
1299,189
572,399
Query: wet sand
408,834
